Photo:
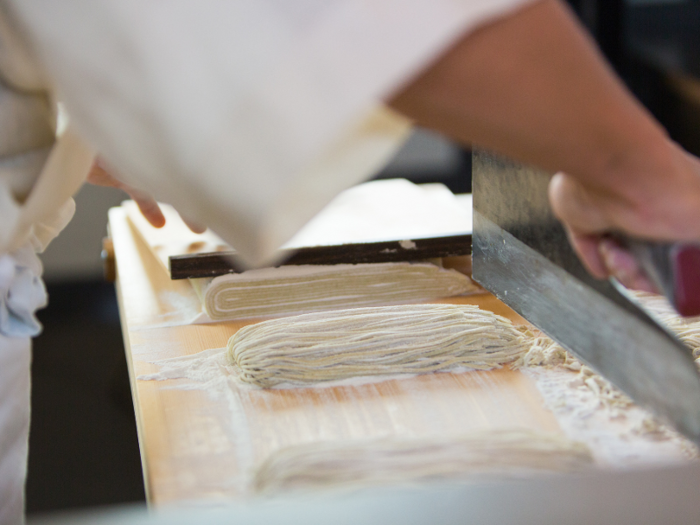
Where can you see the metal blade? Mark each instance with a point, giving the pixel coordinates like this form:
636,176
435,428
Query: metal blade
522,255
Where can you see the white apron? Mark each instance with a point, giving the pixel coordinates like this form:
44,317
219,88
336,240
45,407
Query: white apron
38,175
21,293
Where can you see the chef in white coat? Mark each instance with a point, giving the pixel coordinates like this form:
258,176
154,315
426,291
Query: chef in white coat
38,175
250,116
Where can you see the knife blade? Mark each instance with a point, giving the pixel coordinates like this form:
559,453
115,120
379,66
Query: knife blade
522,255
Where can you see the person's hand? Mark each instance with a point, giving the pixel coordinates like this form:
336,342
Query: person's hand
657,198
99,176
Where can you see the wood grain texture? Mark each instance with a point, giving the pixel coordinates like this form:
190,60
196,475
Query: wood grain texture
199,448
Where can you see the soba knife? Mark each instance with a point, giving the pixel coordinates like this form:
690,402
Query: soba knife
522,255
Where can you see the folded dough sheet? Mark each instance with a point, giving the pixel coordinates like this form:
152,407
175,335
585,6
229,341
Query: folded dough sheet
375,211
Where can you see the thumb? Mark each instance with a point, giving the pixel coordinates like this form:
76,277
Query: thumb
584,222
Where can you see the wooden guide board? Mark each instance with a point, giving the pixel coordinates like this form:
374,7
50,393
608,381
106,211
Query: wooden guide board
187,450
375,222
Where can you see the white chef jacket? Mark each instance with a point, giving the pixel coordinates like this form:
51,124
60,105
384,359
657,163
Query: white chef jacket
248,117
37,177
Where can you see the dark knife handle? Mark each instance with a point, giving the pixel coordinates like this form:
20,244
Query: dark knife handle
675,270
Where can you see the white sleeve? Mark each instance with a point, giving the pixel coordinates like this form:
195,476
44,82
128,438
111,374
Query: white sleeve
247,116
38,175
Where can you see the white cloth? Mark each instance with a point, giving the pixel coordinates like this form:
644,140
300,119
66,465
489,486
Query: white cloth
15,359
21,293
37,178
247,116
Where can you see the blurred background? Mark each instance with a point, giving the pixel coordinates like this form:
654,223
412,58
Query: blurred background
83,443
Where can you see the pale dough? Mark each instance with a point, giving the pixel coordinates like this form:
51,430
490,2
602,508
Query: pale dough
379,341
301,289
384,461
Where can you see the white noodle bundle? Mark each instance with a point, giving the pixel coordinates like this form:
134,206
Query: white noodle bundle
393,460
379,341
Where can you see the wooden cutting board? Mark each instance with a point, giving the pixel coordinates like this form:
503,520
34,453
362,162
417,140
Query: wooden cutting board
194,448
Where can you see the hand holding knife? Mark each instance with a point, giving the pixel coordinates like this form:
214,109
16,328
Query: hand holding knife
521,254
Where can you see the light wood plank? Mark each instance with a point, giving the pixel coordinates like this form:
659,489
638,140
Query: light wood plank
195,447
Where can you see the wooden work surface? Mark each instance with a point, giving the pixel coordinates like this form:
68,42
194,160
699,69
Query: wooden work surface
185,435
